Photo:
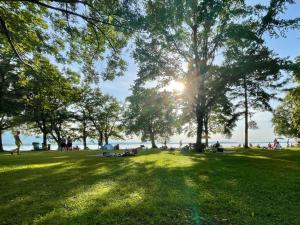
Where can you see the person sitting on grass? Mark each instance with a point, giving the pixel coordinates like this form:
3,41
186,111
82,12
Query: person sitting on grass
277,146
218,147
269,146
18,143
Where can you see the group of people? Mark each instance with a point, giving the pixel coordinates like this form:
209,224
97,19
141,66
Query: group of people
66,144
276,145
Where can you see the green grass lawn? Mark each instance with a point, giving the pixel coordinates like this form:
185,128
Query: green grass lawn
255,187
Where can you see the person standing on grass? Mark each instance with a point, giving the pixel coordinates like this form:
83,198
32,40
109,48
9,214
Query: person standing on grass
63,144
18,143
274,142
69,143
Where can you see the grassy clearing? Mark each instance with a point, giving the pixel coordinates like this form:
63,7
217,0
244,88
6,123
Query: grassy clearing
254,187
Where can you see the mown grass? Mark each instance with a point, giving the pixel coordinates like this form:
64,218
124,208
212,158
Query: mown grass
155,187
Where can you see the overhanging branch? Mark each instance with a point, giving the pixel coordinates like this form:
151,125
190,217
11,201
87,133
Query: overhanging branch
9,39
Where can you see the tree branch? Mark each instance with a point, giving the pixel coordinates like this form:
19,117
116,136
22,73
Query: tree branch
86,18
9,39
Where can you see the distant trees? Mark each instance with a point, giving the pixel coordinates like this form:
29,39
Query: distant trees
99,116
286,117
150,114
106,117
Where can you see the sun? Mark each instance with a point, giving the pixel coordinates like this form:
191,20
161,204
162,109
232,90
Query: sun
175,86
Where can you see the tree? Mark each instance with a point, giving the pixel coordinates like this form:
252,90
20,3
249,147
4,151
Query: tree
286,117
195,32
257,70
50,96
101,115
150,114
219,114
285,120
257,74
11,93
70,30
84,129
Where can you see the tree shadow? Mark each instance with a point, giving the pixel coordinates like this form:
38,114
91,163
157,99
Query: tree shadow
152,188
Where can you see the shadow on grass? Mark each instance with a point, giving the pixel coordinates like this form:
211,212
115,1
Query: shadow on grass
153,188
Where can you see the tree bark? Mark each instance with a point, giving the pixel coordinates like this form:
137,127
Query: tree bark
152,139
84,133
44,134
84,136
100,139
200,95
206,131
1,145
246,113
106,138
58,141
84,142
199,145
45,140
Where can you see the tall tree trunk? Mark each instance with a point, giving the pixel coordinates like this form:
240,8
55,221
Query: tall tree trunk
206,130
58,141
84,138
200,111
44,140
44,130
100,138
106,138
246,113
200,98
84,142
199,145
84,134
152,139
1,145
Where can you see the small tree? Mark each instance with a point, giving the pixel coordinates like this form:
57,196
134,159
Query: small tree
101,114
284,119
150,114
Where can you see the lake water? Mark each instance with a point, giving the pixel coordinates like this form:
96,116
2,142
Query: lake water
129,145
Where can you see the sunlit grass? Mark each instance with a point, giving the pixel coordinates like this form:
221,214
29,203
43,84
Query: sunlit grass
155,187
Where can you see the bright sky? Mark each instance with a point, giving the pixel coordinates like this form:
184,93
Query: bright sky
285,47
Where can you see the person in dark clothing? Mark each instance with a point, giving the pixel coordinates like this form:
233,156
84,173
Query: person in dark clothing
62,144
69,144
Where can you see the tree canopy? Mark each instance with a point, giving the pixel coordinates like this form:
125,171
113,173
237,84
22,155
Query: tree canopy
150,114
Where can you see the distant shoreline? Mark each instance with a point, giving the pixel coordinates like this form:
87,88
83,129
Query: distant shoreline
128,145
